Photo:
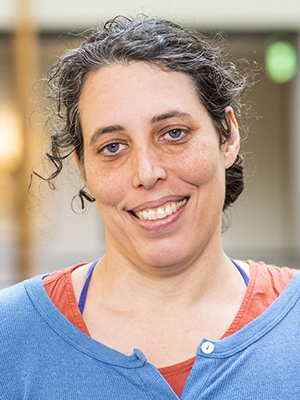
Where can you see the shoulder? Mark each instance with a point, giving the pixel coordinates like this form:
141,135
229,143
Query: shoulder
271,276
61,283
17,297
18,316
13,298
60,274
267,283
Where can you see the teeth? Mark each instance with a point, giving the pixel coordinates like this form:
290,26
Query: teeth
168,210
174,207
152,215
160,213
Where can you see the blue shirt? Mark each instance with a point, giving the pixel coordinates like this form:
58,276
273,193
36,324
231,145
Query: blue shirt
43,356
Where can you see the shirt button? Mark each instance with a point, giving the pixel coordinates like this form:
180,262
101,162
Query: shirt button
207,347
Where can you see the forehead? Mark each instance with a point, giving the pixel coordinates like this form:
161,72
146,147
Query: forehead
139,70
139,85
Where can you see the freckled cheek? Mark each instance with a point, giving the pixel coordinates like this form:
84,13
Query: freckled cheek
197,169
107,187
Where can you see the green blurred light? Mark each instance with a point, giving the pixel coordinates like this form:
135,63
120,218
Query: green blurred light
281,61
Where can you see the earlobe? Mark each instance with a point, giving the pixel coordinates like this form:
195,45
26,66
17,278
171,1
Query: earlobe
232,145
80,165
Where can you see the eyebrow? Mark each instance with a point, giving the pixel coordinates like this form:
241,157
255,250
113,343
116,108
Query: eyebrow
157,118
170,114
106,129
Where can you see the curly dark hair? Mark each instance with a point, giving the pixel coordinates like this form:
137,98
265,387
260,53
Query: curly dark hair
163,43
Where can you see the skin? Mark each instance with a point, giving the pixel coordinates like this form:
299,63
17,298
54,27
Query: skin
148,143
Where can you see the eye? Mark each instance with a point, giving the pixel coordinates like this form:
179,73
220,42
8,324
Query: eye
175,133
112,148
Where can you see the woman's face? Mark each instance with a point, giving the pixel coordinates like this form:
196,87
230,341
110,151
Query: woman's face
153,162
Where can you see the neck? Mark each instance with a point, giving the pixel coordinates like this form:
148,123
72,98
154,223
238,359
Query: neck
186,284
164,315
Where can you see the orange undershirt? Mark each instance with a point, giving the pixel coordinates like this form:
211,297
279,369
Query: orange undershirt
265,285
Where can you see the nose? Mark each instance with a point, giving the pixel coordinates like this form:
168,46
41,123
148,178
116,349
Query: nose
148,168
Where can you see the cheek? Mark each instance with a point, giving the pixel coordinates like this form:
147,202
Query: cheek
108,187
201,165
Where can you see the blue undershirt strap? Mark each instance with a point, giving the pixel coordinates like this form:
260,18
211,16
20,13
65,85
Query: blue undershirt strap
84,290
242,272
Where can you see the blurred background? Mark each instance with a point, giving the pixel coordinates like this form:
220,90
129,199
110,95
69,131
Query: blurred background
40,232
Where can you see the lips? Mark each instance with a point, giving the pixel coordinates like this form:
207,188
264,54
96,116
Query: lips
154,214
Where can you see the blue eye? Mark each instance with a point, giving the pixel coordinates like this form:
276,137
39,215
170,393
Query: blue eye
175,133
113,147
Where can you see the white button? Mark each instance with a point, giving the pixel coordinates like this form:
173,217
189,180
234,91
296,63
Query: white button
207,347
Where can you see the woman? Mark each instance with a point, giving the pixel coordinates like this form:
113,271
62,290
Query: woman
148,110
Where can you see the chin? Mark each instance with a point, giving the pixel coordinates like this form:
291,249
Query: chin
166,260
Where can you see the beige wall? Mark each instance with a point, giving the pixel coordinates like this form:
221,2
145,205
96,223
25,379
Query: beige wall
265,223
234,14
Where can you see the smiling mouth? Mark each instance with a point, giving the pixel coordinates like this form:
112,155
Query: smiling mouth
160,212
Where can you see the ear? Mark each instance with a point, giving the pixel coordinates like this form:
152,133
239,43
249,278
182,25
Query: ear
232,146
80,165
